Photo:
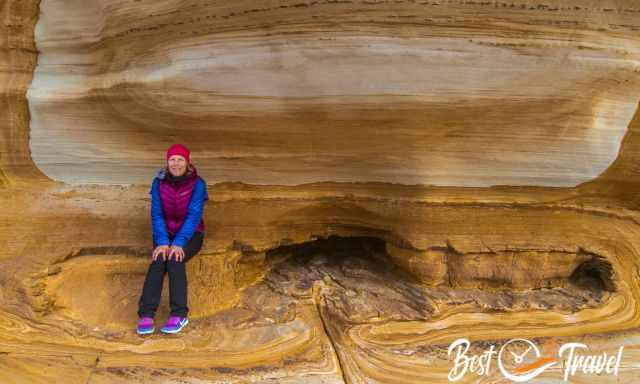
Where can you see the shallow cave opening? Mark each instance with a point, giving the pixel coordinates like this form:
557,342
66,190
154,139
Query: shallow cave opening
335,248
355,258
595,275
357,278
352,277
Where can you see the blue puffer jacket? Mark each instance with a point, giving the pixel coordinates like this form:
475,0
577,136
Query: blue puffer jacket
185,216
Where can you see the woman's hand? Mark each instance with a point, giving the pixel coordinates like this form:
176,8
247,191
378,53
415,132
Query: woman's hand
178,251
160,250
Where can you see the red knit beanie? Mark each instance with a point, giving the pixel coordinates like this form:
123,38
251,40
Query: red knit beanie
178,149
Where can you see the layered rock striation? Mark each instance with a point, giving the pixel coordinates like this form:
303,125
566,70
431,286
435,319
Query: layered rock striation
385,178
455,93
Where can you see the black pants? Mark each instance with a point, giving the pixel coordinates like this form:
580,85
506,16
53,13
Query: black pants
152,290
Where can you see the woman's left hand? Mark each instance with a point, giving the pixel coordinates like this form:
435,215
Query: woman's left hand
178,251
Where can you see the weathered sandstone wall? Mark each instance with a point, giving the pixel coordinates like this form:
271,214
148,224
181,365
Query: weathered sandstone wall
453,93
385,178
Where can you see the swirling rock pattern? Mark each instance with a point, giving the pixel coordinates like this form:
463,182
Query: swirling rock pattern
359,279
319,299
452,93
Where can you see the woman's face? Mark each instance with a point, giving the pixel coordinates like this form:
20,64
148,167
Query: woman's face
177,165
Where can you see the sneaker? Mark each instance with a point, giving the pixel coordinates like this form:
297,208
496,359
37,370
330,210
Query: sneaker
145,326
174,324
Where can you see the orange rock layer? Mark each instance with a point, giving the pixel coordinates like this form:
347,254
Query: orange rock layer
349,148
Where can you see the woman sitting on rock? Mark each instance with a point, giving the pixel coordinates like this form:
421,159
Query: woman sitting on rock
177,202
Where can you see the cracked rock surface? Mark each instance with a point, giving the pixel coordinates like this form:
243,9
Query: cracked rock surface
385,177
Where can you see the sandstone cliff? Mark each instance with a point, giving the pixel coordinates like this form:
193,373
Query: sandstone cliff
385,178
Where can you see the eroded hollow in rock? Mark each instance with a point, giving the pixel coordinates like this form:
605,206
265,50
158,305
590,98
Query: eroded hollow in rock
355,278
350,275
595,274
359,281
98,287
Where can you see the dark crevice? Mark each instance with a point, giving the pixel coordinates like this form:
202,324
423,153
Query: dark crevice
331,341
95,366
595,275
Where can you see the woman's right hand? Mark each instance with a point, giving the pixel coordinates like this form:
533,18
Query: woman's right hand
160,250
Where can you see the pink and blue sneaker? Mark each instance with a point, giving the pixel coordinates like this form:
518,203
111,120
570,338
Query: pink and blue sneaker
174,324
145,326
